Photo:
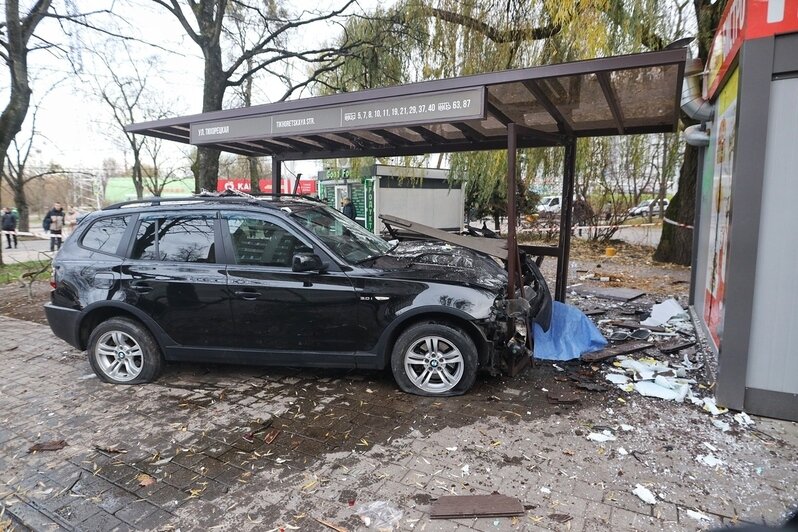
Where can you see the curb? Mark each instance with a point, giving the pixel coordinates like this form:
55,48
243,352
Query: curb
25,517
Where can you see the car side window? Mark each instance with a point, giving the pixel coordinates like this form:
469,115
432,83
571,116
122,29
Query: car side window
187,238
258,242
105,234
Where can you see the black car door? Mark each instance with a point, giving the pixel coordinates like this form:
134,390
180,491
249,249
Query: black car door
171,274
298,317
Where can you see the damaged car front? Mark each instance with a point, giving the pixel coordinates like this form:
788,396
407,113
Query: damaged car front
435,308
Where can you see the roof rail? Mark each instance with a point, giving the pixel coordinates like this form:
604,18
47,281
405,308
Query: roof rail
231,197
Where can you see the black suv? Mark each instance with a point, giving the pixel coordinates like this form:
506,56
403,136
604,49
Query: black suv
283,281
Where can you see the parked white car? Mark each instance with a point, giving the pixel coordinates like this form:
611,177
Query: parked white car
549,205
643,207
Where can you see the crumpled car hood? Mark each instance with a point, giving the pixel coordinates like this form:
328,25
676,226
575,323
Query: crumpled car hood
439,261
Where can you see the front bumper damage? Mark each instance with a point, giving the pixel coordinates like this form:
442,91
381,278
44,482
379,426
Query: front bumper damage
516,318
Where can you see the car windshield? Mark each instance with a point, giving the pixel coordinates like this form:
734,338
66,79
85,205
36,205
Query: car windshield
346,238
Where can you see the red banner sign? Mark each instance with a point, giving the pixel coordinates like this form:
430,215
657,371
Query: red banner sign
743,20
307,187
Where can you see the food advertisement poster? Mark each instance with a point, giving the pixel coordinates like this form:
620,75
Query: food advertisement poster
724,133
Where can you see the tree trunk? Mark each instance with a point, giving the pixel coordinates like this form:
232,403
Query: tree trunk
213,89
19,100
21,203
676,243
254,175
138,180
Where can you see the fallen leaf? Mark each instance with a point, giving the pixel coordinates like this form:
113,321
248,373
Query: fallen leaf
145,480
53,445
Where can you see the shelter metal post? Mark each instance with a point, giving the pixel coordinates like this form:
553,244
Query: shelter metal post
512,244
277,176
566,211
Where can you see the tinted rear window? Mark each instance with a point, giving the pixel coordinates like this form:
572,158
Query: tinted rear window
105,234
175,239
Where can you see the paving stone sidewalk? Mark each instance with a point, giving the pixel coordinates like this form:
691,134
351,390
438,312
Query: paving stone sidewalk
190,451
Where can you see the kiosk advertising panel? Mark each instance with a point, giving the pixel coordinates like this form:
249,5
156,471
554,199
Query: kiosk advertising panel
724,135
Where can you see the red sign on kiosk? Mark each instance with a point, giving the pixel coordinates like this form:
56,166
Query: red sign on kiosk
743,20
307,187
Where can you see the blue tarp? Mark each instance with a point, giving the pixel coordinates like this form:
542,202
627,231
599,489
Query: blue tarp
571,334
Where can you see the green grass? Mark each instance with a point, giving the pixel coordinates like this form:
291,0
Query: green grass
10,272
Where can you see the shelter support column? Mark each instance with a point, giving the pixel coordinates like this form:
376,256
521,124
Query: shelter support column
512,244
277,175
566,212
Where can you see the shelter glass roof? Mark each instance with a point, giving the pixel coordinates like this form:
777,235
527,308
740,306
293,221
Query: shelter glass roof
619,95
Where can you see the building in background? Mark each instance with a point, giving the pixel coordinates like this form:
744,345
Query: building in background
423,195
745,249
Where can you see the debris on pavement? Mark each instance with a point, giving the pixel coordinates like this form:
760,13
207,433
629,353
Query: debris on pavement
329,525
743,419
676,345
709,460
270,436
54,445
662,313
145,480
110,450
601,437
624,349
560,518
698,516
493,505
722,425
615,294
379,514
644,494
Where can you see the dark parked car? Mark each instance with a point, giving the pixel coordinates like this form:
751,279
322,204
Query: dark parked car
283,281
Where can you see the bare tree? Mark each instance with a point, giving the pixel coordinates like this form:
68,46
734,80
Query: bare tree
16,174
157,175
124,87
15,36
204,22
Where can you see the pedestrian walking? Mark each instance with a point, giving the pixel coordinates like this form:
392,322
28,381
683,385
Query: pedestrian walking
348,209
54,224
9,223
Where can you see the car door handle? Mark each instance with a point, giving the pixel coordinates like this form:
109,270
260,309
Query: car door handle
141,287
248,295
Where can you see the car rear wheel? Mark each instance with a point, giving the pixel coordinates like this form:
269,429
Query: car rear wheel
122,351
434,359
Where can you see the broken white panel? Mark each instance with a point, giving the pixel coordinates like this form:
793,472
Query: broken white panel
601,437
722,425
616,378
650,389
644,494
698,516
709,460
743,419
712,407
661,313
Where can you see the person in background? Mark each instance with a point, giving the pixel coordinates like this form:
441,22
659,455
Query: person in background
54,223
10,226
348,209
71,220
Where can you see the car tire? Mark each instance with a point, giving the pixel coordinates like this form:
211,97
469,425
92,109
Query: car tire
122,351
434,359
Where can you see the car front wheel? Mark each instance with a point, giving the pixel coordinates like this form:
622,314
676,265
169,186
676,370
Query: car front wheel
434,359
122,351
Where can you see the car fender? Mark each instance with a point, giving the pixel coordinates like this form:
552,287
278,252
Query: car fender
381,352
163,339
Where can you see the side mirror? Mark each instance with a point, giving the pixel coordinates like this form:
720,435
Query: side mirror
307,262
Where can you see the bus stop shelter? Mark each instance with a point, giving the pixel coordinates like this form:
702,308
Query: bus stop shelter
542,106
